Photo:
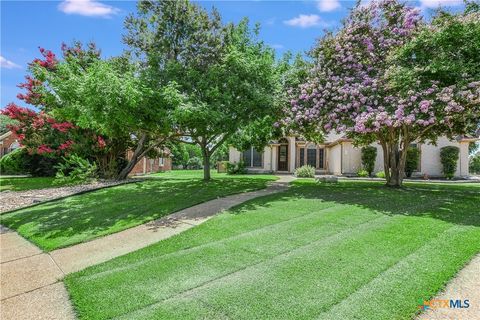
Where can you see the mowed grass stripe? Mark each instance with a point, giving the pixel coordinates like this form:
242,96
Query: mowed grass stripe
329,214
414,277
186,270
304,281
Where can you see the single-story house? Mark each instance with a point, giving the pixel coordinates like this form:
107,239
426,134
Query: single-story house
8,143
337,156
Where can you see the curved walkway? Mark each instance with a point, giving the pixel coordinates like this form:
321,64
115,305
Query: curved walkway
31,286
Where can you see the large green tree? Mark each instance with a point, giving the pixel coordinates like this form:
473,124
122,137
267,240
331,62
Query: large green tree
227,76
108,97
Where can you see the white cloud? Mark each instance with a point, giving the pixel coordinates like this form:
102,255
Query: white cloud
89,8
7,64
328,5
277,46
306,21
432,4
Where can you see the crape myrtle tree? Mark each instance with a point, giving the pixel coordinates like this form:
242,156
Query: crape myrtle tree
107,98
224,73
354,87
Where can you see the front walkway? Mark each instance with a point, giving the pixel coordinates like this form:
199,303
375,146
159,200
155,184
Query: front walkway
31,281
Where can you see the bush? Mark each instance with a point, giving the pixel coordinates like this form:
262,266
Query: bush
411,163
20,162
194,163
449,158
369,154
362,173
75,170
13,162
474,166
380,174
305,171
236,168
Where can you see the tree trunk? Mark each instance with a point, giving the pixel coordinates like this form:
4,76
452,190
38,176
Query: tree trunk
137,155
397,161
206,165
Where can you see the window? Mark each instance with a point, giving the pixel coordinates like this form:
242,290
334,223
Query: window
161,162
321,156
302,156
252,158
257,158
312,157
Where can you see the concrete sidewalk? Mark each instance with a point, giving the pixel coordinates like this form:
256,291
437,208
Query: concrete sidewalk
31,281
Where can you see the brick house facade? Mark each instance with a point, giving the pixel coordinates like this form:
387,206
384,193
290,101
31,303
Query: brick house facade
8,143
148,165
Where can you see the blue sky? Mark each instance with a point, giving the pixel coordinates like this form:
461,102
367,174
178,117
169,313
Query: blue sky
26,25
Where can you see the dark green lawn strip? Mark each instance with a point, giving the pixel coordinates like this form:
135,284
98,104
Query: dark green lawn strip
80,218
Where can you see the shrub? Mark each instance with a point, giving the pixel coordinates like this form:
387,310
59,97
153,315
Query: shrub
380,174
75,170
449,158
362,173
13,162
236,168
369,154
474,166
194,163
305,171
411,163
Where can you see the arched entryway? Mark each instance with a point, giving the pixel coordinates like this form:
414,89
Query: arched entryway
283,155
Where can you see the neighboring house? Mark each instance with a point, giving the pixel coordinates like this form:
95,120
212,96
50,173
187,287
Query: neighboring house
338,156
8,143
148,165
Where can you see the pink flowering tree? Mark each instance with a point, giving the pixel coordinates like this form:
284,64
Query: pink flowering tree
40,133
350,89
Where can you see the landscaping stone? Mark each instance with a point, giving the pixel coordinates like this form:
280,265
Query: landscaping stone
12,200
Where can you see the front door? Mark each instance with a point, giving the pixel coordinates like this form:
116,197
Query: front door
283,157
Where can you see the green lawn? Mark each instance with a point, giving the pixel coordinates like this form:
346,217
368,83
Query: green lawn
80,218
26,183
352,250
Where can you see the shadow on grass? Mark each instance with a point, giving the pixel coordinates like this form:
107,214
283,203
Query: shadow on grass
110,210
451,203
